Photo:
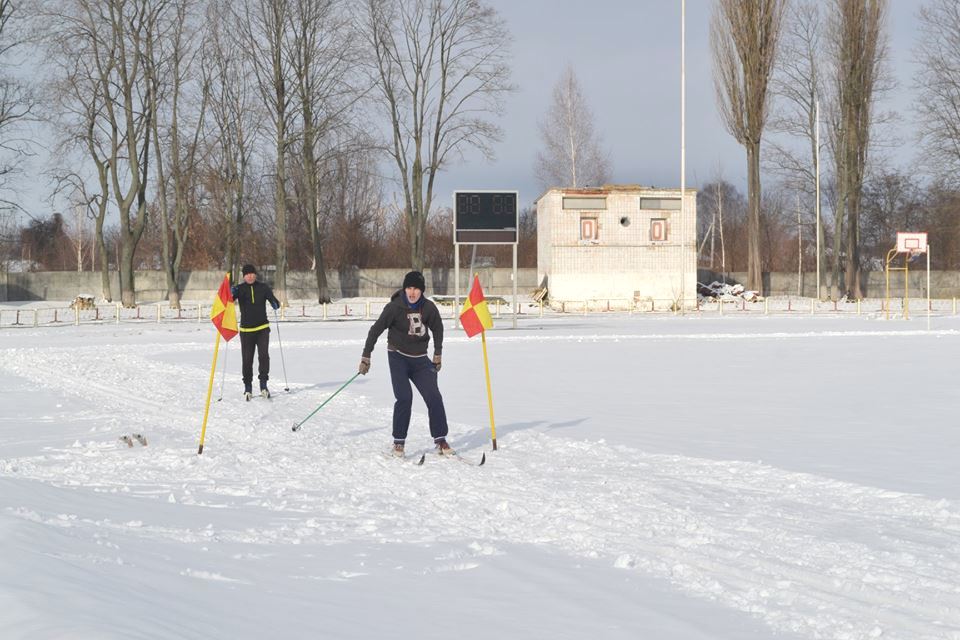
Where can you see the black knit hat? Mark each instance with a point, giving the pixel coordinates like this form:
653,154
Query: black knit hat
248,268
414,279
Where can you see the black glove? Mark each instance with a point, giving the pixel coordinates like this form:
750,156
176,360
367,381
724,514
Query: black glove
364,366
275,305
235,291
436,361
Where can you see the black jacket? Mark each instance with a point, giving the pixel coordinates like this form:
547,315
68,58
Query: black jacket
407,327
252,299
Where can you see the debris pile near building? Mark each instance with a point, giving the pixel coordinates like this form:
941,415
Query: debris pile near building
726,292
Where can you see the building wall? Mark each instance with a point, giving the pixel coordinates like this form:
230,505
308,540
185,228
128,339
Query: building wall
623,263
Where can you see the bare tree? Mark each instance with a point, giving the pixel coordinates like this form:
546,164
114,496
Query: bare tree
169,60
860,47
112,38
744,36
572,155
76,107
16,98
267,40
231,127
441,69
938,84
797,84
324,55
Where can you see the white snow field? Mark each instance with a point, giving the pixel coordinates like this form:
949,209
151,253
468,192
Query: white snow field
658,477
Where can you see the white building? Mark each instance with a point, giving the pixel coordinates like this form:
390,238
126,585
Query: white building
625,246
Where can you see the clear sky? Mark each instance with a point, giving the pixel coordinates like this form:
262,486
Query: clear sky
626,54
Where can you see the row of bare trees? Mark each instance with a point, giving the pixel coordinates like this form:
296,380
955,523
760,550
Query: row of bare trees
891,201
814,58
212,127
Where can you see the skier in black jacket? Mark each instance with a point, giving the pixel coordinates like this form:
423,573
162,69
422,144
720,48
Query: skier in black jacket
407,318
252,296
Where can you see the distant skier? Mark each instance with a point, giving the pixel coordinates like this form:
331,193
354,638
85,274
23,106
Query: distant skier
252,296
407,318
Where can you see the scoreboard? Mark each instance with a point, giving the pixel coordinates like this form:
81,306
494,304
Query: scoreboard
485,217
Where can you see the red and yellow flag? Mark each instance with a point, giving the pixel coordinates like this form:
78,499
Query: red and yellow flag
475,317
224,314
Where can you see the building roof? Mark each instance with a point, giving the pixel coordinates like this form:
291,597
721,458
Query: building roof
609,188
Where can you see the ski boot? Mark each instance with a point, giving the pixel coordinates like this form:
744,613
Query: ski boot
443,448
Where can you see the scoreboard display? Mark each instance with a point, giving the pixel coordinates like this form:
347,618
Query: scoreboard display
485,217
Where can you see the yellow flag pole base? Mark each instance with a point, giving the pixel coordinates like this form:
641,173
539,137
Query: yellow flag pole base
206,408
486,369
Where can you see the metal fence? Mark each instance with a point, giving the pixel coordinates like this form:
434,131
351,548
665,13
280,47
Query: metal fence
299,311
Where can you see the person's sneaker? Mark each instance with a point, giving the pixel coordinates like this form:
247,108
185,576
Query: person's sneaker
247,395
398,449
265,392
443,448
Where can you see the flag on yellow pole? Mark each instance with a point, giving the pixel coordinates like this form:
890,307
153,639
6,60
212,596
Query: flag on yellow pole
223,315
475,318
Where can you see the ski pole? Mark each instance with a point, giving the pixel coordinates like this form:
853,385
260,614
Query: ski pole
297,425
223,373
286,387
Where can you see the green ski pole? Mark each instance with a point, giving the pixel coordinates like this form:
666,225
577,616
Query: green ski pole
297,425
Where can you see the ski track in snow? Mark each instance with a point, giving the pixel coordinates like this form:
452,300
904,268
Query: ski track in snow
744,534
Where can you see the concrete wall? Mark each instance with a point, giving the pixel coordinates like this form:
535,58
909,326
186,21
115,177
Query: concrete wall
301,285
380,283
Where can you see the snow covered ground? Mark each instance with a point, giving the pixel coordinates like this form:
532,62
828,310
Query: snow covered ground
658,477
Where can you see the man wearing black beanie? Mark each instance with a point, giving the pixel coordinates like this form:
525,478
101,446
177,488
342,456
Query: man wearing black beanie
409,319
252,296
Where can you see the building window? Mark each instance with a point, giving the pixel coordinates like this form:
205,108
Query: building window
589,229
584,202
658,230
660,204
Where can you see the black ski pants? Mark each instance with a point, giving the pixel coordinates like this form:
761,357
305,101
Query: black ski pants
259,340
423,374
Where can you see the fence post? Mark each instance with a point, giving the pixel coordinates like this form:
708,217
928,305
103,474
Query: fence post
118,313
541,307
35,313
76,316
158,313
324,310
366,311
858,306
766,308
954,306
813,306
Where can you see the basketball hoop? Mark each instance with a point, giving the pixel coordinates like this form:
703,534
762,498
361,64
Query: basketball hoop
912,243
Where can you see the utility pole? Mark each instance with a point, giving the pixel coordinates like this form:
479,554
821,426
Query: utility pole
816,155
683,150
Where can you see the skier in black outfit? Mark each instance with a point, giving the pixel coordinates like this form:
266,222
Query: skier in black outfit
407,318
252,296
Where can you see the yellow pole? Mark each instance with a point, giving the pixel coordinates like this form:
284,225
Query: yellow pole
486,369
206,409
